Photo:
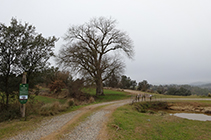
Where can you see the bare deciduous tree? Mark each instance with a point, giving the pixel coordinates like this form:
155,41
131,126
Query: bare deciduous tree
91,48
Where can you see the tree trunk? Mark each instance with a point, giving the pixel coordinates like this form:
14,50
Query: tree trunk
99,87
7,100
6,92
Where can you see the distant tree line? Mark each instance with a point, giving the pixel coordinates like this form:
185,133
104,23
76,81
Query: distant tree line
179,92
125,82
184,90
172,90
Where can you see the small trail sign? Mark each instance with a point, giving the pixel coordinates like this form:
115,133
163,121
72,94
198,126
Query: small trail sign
23,93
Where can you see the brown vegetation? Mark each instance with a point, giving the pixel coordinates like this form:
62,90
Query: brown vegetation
55,108
190,107
174,106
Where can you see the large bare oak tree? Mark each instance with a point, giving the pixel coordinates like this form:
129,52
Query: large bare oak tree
94,47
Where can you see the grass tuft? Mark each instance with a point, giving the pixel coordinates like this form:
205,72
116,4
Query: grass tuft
51,109
154,125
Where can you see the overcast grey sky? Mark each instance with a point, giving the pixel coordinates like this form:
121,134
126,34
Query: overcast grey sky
172,38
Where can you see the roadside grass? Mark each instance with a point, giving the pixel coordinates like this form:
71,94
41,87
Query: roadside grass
13,127
127,123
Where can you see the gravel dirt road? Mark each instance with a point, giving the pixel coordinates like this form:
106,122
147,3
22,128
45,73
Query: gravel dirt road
93,128
86,130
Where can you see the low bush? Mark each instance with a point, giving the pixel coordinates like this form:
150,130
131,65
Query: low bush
12,112
63,107
91,100
70,102
50,109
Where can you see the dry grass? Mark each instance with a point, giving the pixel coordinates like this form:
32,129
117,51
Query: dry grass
91,100
56,107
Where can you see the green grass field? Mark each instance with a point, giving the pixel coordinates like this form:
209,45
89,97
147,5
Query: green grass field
127,123
49,99
111,95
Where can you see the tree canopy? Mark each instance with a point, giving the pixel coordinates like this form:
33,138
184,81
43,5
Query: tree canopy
180,92
143,86
22,50
92,49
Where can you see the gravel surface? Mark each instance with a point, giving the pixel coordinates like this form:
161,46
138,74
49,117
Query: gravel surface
89,129
46,127
92,126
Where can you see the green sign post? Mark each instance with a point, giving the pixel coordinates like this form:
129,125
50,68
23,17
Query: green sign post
23,93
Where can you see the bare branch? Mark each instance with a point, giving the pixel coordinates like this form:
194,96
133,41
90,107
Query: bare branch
89,45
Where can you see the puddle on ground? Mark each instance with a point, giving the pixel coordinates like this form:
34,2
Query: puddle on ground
193,116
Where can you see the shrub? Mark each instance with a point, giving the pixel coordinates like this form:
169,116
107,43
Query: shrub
57,86
75,88
63,107
50,109
209,95
91,100
70,102
13,112
56,107
45,110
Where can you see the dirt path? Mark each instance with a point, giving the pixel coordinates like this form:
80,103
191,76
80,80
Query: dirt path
92,128
57,127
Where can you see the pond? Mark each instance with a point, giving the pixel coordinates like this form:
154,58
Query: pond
193,116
